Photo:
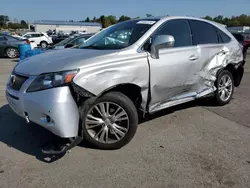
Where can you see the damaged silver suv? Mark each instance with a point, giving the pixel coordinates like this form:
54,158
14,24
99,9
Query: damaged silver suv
95,92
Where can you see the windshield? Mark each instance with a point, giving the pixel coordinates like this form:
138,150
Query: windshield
120,35
65,41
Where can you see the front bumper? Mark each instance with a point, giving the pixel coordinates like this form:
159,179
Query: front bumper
57,104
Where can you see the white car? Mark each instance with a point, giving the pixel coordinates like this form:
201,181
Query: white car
32,44
39,38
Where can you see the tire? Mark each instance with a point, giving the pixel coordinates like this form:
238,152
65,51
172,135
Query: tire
221,86
12,52
110,126
44,44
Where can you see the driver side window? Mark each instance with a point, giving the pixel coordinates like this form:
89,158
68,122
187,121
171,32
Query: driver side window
179,29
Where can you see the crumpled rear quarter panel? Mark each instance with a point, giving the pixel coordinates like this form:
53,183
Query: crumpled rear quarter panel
218,58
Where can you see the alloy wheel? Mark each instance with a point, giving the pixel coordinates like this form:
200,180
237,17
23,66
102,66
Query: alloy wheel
107,122
225,87
12,52
43,45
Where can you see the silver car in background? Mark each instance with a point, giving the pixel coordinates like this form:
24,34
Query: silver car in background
142,65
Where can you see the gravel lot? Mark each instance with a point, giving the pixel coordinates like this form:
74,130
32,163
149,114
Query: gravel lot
192,145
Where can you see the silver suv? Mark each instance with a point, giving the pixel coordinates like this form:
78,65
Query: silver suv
144,65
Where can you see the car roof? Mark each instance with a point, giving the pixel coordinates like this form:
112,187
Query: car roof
32,32
165,18
10,36
85,35
80,36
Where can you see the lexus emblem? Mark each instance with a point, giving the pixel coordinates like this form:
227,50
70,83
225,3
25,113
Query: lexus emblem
12,80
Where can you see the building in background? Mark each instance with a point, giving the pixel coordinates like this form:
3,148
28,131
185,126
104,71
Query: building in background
240,29
65,26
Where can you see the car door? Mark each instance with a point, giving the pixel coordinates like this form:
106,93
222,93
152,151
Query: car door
170,74
3,44
34,37
205,37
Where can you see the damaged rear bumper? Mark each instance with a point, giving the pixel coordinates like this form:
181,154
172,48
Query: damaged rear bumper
238,73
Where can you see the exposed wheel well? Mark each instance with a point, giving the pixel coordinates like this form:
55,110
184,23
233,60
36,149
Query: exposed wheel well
237,73
132,91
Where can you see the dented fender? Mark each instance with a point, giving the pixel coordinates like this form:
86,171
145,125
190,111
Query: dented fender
127,68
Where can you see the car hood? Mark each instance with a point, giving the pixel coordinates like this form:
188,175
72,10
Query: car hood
59,60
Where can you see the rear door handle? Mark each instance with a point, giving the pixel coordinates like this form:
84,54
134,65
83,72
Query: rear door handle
193,58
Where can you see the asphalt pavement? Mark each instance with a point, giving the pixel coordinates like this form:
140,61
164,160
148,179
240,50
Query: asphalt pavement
191,145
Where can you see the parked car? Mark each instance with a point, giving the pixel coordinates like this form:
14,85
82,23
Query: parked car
96,92
59,38
244,41
9,45
72,41
41,39
32,43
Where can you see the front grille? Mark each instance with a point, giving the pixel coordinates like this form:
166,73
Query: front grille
16,81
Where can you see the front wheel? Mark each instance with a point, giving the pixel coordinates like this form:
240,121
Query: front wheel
109,122
225,87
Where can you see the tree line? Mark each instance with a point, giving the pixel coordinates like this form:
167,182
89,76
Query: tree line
242,20
5,23
105,21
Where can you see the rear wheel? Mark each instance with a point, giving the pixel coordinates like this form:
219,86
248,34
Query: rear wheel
225,87
12,52
110,121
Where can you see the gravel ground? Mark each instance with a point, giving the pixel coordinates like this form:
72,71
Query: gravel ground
192,145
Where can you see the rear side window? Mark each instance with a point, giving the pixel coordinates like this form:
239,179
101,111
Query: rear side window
179,29
223,38
35,35
203,33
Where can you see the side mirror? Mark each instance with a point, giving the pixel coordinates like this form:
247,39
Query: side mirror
161,42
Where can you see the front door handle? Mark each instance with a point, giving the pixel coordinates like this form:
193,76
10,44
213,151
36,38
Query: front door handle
193,58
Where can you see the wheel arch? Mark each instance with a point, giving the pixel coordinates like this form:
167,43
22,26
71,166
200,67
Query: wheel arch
236,71
11,47
43,41
132,91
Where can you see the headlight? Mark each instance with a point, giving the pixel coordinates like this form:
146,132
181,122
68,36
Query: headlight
50,80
